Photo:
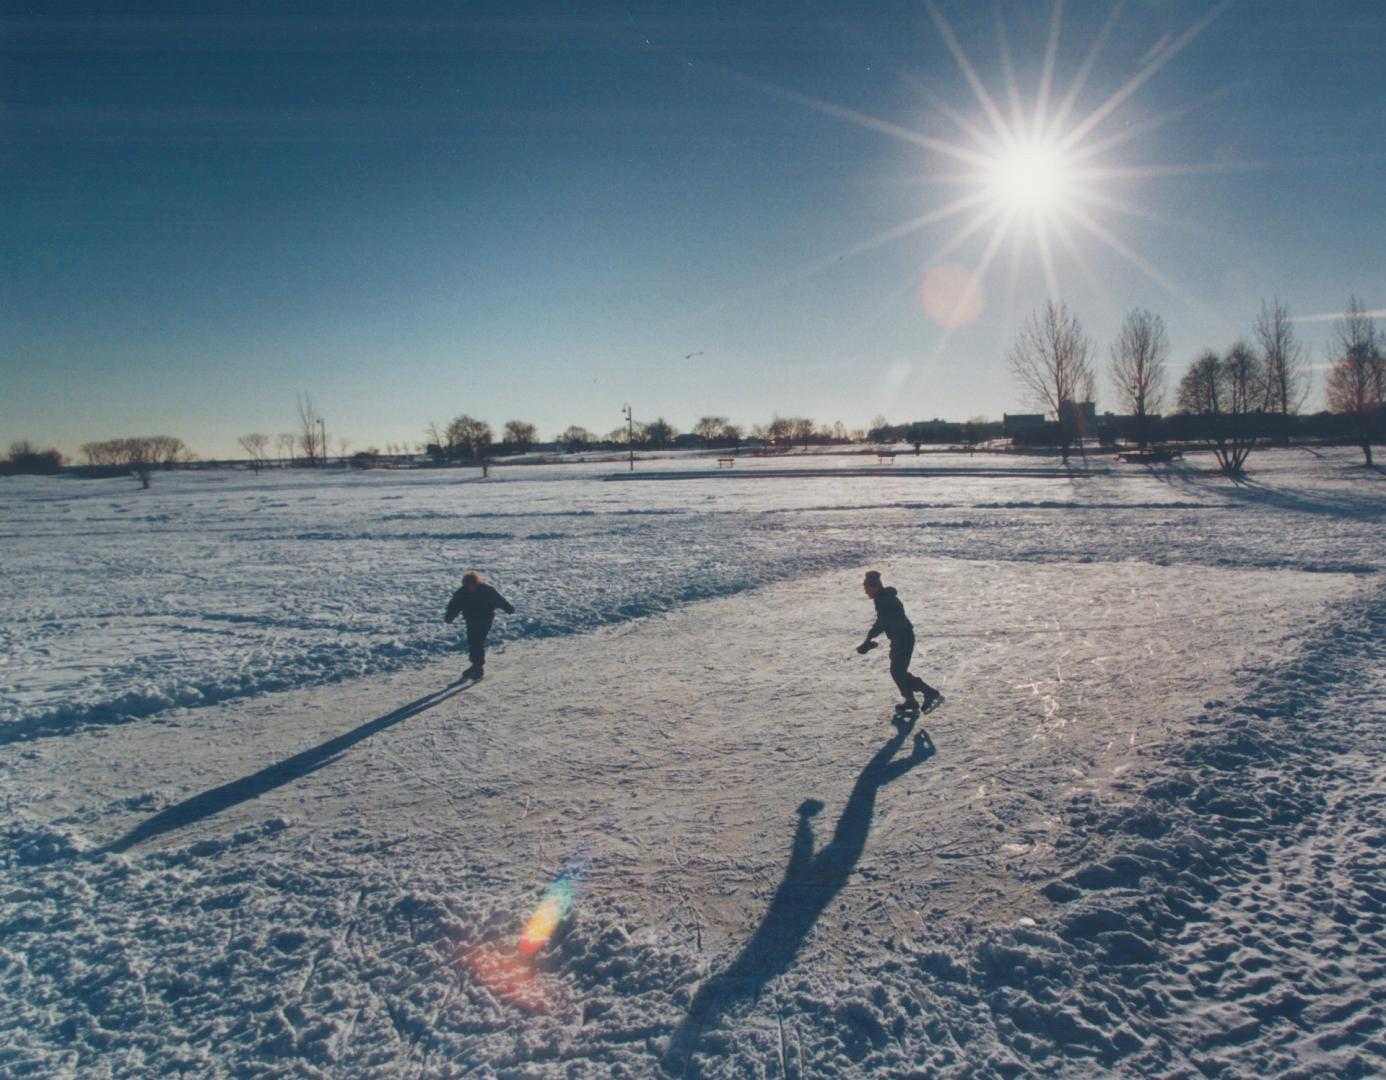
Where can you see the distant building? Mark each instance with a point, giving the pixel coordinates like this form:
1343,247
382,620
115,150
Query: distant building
1012,423
1082,414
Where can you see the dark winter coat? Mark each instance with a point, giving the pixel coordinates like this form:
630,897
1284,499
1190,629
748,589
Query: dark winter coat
890,617
478,608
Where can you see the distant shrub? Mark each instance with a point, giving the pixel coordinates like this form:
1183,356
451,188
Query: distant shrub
26,459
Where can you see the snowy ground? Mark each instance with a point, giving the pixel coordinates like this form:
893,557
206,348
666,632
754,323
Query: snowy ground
257,829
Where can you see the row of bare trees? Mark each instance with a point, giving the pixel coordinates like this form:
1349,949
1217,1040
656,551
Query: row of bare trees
468,438
1238,390
1053,360
140,454
1236,393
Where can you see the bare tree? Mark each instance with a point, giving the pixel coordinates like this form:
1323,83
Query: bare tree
709,428
139,455
1287,379
659,432
255,446
287,441
1051,358
519,436
1357,380
466,436
101,453
343,445
1138,368
1245,380
312,430
801,430
136,453
436,441
1198,389
780,430
1227,393
576,438
730,434
167,449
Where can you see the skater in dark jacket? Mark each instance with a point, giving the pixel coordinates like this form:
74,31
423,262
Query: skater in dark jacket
892,621
477,604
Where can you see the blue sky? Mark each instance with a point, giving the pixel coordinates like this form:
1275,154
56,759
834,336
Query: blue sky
541,212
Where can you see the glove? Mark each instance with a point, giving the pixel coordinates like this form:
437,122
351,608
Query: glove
865,647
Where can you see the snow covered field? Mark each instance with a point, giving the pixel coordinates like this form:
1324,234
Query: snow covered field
255,828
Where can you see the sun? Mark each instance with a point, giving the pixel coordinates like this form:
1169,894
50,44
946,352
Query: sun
1032,173
1032,178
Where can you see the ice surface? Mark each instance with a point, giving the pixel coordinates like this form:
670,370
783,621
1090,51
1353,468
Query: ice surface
254,826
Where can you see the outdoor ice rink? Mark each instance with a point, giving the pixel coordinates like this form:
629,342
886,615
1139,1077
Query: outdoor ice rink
255,827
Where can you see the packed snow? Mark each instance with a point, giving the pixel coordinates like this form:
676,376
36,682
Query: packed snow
256,826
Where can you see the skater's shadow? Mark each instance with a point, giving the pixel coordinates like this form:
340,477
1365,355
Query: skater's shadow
809,885
290,769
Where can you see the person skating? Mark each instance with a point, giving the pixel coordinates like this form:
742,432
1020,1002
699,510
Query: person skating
477,604
892,621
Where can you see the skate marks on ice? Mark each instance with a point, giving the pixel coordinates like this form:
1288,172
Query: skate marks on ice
214,801
326,924
810,883
1225,912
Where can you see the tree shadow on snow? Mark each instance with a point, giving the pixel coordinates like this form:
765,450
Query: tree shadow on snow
809,885
1252,492
284,772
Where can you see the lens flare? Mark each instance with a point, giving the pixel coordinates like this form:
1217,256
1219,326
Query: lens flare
951,297
557,902
513,976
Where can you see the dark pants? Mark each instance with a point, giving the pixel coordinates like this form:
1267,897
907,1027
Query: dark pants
476,644
901,649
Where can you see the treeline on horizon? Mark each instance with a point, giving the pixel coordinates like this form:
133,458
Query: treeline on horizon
1251,393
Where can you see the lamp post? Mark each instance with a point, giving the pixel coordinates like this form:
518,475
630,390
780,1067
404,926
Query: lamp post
630,435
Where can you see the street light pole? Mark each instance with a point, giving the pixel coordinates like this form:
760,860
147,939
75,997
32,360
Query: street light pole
630,435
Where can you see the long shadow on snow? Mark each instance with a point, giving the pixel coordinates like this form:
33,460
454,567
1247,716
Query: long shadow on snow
1249,491
809,885
290,769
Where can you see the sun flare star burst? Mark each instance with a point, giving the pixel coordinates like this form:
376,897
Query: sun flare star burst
1035,173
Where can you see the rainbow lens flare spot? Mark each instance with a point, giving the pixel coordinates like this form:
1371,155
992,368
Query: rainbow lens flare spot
557,902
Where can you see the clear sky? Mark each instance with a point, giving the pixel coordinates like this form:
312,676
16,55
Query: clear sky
544,211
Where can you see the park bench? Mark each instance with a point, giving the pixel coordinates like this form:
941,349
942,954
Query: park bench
887,456
727,461
1150,455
